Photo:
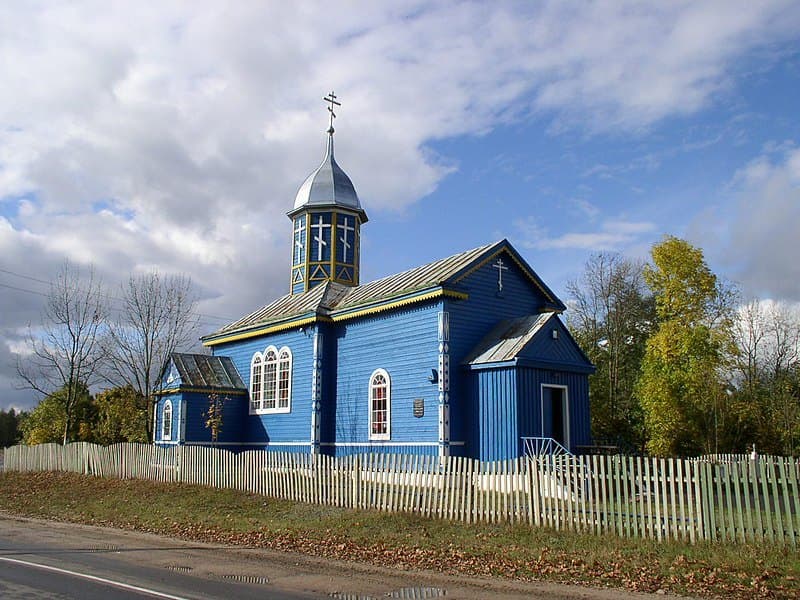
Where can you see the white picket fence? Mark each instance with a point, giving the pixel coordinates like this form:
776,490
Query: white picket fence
738,500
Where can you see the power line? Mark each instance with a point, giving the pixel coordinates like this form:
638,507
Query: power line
19,289
105,294
25,276
117,309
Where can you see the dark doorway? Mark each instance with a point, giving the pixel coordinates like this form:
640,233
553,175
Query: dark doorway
555,419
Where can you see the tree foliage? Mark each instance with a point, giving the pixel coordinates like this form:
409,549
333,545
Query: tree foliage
48,421
611,316
10,432
214,415
681,388
66,352
120,417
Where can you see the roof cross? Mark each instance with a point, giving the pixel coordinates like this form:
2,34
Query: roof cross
500,268
331,99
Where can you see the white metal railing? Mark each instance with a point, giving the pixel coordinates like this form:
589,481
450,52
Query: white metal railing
543,446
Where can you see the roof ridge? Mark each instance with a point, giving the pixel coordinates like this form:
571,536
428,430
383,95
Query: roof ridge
431,263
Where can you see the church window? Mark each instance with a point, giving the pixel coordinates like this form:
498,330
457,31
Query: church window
299,240
255,382
380,400
284,378
166,421
270,371
271,381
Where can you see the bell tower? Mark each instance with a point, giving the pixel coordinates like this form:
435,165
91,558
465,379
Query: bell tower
326,218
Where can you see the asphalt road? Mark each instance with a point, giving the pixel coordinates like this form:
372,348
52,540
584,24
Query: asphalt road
43,560
55,564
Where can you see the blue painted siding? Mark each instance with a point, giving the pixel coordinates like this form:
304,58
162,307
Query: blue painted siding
563,350
294,426
233,411
405,343
472,319
507,405
530,403
340,450
494,431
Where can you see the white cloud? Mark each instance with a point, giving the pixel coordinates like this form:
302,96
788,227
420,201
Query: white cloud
761,246
613,234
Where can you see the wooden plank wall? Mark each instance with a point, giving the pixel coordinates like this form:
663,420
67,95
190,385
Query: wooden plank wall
727,499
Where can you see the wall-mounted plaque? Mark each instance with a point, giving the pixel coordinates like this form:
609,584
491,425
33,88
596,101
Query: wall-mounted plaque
419,407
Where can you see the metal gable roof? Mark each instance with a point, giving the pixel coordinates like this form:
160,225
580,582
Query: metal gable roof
319,297
330,299
204,371
507,339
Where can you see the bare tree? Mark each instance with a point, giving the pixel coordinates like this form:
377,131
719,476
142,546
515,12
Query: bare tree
157,317
611,315
767,371
66,352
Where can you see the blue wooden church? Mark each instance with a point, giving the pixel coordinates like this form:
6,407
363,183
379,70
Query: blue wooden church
463,356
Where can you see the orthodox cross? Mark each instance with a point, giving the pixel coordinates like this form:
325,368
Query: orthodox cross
500,268
345,229
331,99
320,227
299,230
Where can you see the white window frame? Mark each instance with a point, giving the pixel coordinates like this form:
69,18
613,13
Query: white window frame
269,394
284,358
565,399
166,423
387,435
256,370
272,357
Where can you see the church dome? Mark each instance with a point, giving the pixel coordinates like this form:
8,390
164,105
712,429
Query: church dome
328,185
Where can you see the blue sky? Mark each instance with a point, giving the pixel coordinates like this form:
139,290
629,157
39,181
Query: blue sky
175,137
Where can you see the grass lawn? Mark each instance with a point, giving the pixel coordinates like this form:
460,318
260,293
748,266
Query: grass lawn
406,541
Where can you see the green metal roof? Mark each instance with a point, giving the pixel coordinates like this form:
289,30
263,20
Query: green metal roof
204,371
331,299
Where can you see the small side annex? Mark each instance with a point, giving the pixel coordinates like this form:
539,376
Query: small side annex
187,385
528,378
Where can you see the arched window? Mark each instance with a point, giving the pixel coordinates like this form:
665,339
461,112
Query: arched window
380,405
270,378
284,379
166,421
271,381
255,382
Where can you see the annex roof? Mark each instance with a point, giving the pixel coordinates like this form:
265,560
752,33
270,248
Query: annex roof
539,340
204,371
336,302
507,339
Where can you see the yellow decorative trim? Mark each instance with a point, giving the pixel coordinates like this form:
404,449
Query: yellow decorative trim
262,330
178,390
378,308
440,293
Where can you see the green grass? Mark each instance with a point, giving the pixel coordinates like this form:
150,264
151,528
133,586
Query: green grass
404,540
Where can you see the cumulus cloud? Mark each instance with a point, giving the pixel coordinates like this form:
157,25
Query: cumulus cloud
612,234
761,248
175,135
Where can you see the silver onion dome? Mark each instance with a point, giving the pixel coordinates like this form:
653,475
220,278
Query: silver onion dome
328,185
